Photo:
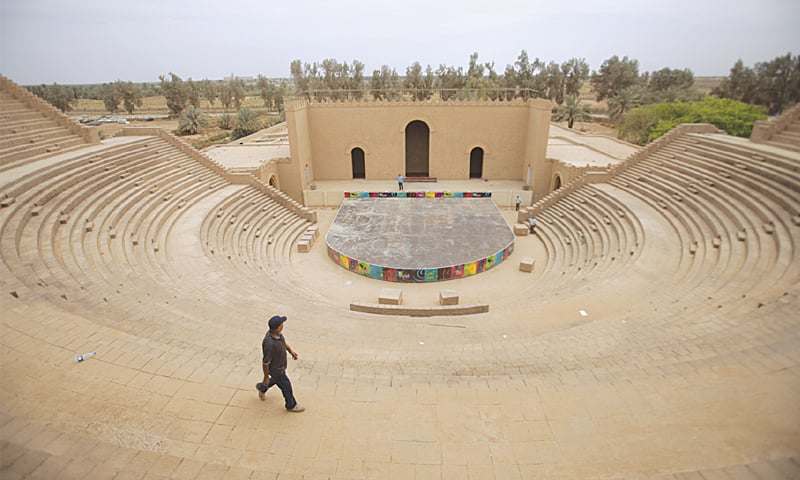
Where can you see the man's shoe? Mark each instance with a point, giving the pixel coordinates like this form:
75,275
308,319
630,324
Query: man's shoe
297,408
261,395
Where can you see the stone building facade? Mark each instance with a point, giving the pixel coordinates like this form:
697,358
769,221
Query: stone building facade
453,140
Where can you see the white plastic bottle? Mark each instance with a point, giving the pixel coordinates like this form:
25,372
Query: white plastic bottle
85,356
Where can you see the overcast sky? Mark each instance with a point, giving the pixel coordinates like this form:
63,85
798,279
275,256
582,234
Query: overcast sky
98,41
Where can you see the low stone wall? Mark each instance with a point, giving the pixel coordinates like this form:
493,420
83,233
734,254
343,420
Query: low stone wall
420,311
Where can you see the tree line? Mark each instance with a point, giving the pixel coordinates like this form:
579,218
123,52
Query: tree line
179,94
330,79
744,96
775,84
772,84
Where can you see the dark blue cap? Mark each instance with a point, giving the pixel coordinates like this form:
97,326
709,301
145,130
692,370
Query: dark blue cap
275,321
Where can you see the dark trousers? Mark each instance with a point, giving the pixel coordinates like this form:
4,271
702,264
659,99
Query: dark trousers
400,185
283,382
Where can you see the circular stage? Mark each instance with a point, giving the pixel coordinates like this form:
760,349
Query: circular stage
438,236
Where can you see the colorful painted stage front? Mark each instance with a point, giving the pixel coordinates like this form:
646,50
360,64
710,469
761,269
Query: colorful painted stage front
419,239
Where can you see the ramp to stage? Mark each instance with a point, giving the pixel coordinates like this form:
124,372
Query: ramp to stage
419,239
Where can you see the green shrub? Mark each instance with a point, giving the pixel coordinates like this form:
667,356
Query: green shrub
647,123
246,124
225,121
191,122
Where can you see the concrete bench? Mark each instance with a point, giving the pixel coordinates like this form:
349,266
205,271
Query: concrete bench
521,229
526,264
420,311
390,296
448,297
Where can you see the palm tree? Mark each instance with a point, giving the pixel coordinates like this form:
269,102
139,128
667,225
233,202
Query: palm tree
246,123
572,109
624,100
192,121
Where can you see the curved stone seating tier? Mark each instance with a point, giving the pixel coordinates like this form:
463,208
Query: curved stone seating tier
726,215
528,389
782,181
36,203
718,217
27,134
82,201
751,192
742,214
734,159
251,234
588,231
717,253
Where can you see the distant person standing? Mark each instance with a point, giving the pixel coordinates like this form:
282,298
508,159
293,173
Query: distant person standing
532,223
517,203
400,181
274,348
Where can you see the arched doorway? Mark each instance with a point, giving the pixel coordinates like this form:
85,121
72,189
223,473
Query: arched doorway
273,182
357,160
476,163
417,149
556,182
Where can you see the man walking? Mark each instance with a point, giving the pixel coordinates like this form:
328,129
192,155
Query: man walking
517,202
400,181
274,348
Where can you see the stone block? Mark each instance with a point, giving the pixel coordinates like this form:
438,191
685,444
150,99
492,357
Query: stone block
526,264
303,246
521,229
308,237
390,296
448,297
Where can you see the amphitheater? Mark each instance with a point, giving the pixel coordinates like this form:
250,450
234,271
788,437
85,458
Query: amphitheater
658,335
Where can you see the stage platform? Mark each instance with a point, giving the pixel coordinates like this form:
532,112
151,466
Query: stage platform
421,239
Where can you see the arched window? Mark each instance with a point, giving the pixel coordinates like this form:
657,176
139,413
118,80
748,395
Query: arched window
476,163
417,149
357,161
